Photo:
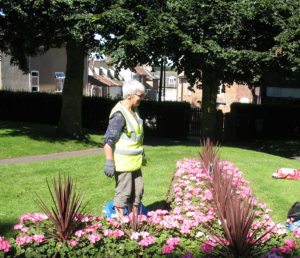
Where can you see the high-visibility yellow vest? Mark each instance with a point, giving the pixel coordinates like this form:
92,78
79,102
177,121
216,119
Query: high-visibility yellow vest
128,149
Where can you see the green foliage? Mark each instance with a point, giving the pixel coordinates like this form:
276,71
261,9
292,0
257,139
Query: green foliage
212,41
32,27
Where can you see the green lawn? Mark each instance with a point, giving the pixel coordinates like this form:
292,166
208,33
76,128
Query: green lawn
24,139
18,183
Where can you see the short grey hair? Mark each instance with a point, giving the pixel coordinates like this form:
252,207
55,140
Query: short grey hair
131,87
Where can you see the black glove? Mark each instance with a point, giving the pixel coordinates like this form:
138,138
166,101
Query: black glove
109,169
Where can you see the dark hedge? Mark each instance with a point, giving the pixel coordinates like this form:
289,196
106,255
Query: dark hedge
163,119
267,121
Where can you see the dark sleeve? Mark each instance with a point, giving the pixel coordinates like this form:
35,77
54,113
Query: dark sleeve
115,127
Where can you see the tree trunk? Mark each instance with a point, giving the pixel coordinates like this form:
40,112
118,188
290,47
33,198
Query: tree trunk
210,84
70,117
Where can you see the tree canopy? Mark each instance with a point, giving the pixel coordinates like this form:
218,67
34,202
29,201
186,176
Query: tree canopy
29,28
212,41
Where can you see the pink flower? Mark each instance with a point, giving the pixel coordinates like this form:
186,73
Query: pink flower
125,220
23,240
93,238
18,226
97,225
4,245
262,205
134,236
291,243
284,249
73,242
107,232
208,246
98,218
167,249
118,233
80,233
296,233
24,229
19,241
144,234
90,229
173,241
38,238
147,241
112,222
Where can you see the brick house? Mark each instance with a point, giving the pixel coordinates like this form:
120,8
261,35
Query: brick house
104,81
225,97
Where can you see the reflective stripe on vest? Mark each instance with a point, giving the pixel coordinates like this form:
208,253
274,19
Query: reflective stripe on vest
128,149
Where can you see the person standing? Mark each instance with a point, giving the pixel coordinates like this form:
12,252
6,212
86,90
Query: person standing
123,148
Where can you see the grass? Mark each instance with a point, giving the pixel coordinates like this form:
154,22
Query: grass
24,139
19,182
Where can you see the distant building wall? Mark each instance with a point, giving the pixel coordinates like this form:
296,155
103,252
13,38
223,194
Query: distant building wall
12,77
54,60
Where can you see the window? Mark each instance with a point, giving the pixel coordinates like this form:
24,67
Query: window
60,79
34,81
172,80
183,80
220,91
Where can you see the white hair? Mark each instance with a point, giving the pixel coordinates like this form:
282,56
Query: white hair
131,87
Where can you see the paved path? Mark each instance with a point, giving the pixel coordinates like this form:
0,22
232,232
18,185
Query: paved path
60,155
67,154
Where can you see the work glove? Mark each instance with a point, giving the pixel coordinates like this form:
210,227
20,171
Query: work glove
109,169
144,161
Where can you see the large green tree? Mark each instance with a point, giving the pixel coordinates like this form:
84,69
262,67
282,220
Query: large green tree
29,28
213,41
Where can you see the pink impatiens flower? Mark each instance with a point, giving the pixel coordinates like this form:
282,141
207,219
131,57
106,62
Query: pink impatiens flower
23,240
173,241
167,249
38,238
291,243
149,240
18,226
80,233
208,246
93,238
4,245
73,242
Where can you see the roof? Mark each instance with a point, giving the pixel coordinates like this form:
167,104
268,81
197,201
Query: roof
107,81
140,70
92,80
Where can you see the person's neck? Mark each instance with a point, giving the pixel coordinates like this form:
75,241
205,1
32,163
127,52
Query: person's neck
127,104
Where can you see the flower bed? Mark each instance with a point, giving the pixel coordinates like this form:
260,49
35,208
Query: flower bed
190,229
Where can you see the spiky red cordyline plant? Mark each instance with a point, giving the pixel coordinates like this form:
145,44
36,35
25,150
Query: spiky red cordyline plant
134,223
67,204
236,214
209,155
